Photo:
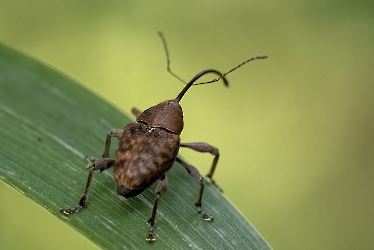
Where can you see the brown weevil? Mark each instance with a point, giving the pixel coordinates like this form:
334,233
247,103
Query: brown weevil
148,147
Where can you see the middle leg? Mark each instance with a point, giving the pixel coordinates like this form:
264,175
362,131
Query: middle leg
205,148
161,188
196,174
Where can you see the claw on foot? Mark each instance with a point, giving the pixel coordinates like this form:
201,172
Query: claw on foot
71,210
91,160
150,237
205,216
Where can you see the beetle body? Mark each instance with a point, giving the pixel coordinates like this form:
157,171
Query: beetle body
148,148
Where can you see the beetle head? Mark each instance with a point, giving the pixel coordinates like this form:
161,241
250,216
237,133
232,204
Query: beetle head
169,114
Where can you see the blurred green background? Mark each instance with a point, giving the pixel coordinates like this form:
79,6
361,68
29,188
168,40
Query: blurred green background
295,131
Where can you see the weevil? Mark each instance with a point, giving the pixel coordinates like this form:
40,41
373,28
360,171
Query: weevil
148,147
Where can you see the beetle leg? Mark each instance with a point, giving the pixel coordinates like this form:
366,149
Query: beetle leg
161,188
196,174
205,148
95,164
136,112
112,133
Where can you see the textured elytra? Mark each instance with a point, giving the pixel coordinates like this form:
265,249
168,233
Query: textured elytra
143,155
167,114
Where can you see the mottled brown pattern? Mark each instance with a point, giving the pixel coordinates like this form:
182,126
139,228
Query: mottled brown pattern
143,155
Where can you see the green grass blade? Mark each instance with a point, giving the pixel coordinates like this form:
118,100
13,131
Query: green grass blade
49,124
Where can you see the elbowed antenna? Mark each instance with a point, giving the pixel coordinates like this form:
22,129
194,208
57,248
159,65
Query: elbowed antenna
167,57
250,59
214,80
191,82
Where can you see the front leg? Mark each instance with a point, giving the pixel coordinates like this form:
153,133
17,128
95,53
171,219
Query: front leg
112,133
94,164
205,148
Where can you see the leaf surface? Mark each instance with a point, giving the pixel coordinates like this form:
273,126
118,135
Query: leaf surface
49,124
